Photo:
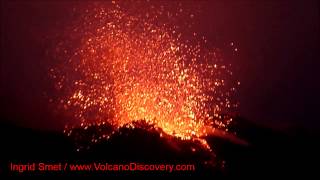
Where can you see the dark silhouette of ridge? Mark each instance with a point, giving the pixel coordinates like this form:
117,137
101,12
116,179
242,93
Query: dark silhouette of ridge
268,152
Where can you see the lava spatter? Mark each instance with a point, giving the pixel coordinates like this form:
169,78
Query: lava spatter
118,66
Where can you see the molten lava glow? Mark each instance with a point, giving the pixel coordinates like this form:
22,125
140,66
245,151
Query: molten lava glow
117,66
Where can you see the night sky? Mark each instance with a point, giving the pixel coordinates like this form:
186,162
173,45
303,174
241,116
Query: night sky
277,61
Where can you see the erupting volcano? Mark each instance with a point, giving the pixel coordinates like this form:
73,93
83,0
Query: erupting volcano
117,64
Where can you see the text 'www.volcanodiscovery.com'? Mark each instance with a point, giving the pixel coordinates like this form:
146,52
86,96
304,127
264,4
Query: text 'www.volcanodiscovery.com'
101,167
131,167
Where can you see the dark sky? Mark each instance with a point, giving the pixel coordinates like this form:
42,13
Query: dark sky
277,62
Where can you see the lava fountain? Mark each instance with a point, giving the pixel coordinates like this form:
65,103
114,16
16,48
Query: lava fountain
117,64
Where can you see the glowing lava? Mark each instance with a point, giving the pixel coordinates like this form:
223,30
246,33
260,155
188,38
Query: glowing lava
118,66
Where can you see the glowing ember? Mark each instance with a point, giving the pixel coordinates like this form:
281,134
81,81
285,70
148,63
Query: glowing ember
119,66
